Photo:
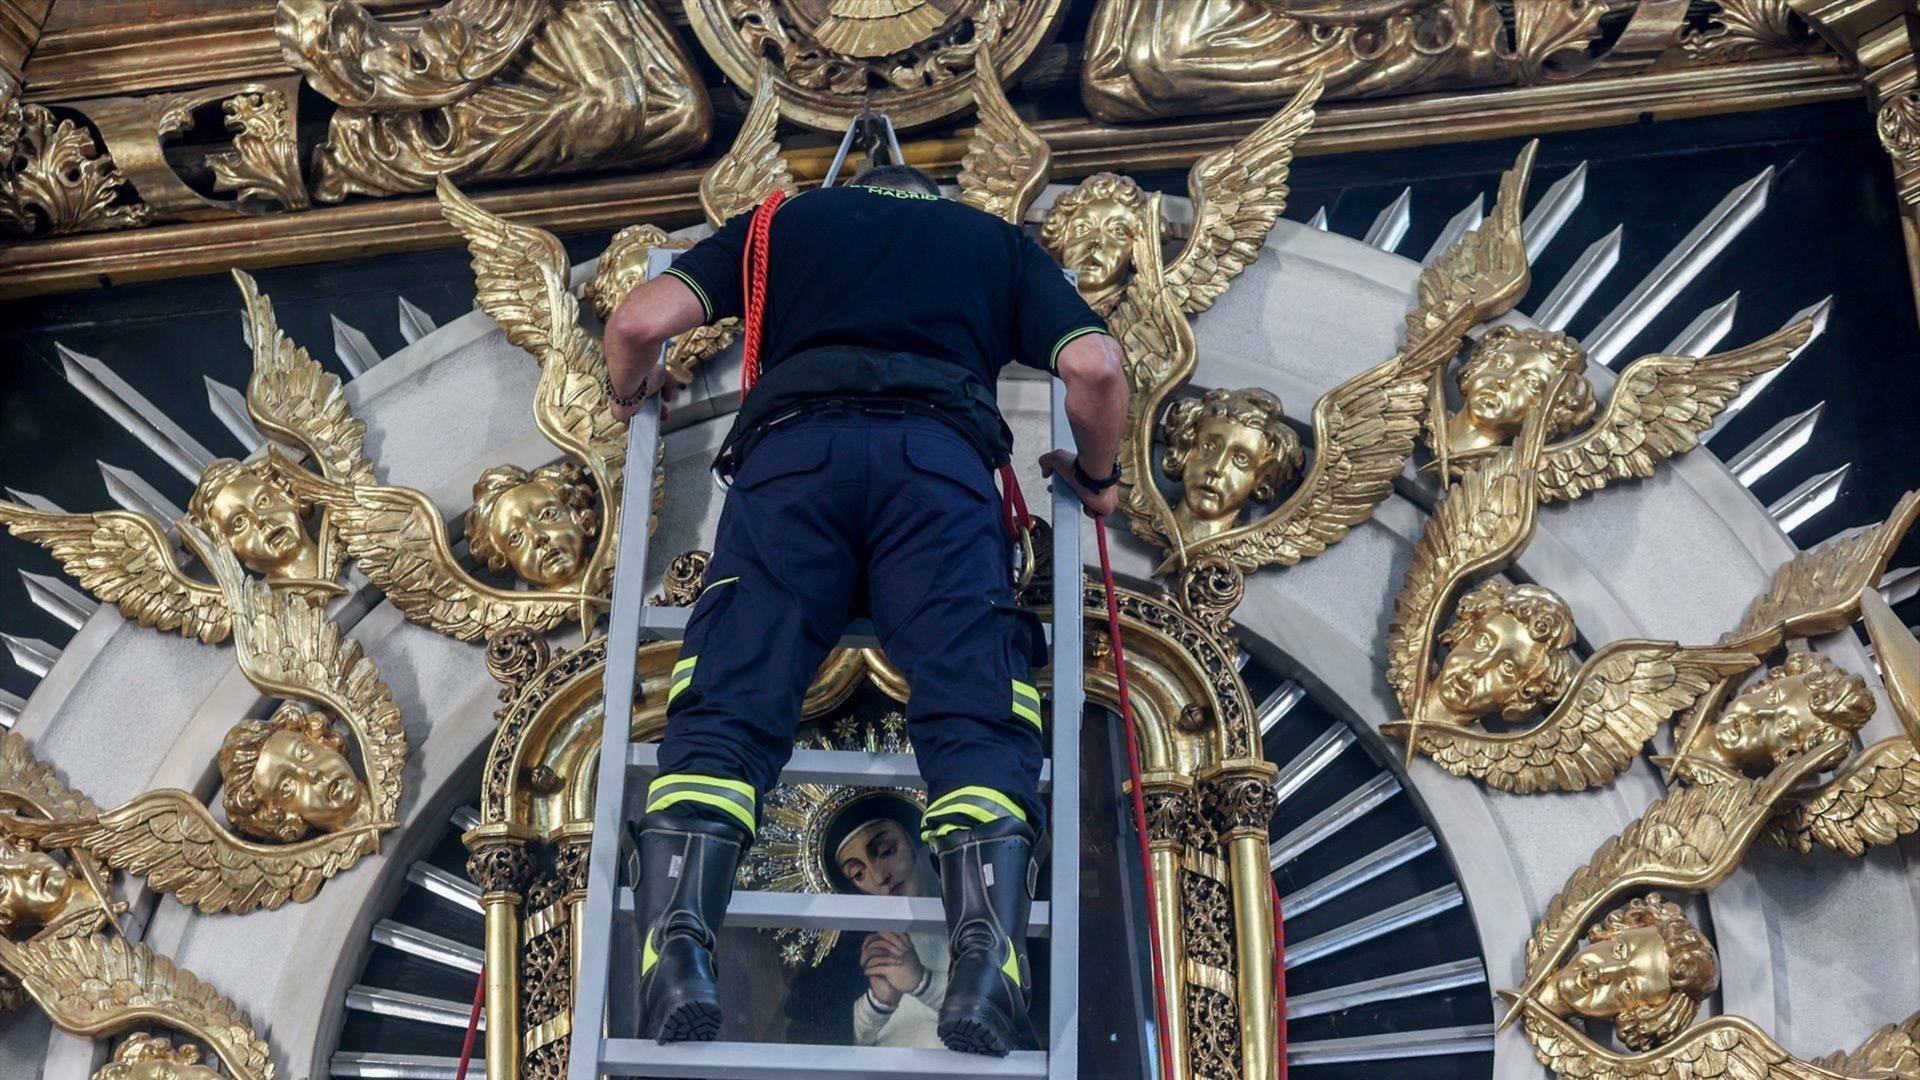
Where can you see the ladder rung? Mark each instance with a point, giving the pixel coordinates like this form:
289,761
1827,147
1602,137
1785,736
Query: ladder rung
805,1061
840,911
853,768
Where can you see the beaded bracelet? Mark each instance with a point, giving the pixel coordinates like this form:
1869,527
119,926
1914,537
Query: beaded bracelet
627,402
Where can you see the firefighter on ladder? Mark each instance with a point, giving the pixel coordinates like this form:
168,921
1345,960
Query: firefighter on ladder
862,483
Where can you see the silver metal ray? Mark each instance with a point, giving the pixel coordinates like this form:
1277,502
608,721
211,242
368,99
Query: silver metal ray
31,654
1816,493
360,1065
131,410
1580,282
1706,330
1405,984
1900,586
352,348
446,885
1386,921
1359,872
59,599
1820,313
1351,807
399,1005
38,502
1391,226
11,705
1279,704
1760,457
433,948
1394,1045
1309,762
230,406
1318,220
1469,217
414,323
126,487
466,819
1693,253
1554,210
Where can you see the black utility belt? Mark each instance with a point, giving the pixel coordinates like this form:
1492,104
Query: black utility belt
731,459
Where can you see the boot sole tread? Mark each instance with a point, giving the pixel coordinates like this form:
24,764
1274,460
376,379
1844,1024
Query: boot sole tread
977,1035
690,1021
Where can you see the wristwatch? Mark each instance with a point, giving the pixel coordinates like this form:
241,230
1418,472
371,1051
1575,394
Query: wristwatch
1095,486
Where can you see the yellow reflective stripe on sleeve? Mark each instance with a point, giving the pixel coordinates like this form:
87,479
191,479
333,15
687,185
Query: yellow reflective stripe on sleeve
725,783
977,813
1019,710
674,690
986,793
721,801
1053,361
706,305
1026,703
685,664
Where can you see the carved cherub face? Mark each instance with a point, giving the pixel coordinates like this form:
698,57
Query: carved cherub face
878,858
249,508
1805,701
538,523
289,775
1228,448
1091,230
34,887
1511,652
147,1057
1506,379
1645,967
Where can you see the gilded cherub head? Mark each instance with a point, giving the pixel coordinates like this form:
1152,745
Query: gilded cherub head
1645,967
1804,701
1091,229
152,1057
289,775
1506,378
536,522
1510,650
249,507
35,888
622,267
1229,447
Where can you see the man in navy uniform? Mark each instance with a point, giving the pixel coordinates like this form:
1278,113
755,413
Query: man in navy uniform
862,467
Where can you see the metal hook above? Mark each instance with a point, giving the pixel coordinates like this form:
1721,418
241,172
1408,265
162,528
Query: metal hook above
868,126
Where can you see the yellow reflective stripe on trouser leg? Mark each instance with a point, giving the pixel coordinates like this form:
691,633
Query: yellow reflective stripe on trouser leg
682,677
1026,702
962,808
736,797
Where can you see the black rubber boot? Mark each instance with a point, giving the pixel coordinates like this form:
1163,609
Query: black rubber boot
686,878
985,885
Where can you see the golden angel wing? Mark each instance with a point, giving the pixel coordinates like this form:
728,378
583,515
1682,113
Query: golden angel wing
1659,407
1158,353
1690,840
25,778
514,267
1818,592
1238,193
290,395
288,647
173,841
125,560
400,542
1874,799
1621,696
1484,520
1479,277
753,168
101,984
1007,162
1723,1048
1892,1052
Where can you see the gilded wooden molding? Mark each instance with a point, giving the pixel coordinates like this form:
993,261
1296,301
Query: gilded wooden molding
20,23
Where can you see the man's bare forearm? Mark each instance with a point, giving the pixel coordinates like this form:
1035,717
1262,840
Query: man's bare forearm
651,315
1096,399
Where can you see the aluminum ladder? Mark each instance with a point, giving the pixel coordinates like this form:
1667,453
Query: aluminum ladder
595,1053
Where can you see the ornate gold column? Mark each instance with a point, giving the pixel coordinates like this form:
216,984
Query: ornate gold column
1240,798
1171,807
503,868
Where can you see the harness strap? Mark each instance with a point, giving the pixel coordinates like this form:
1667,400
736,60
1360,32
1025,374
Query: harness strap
753,276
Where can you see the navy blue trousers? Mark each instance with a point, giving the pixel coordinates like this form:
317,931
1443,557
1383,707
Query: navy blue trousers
836,514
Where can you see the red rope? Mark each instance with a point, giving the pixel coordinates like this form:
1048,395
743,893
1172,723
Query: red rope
753,275
1013,503
1136,794
1279,986
473,1025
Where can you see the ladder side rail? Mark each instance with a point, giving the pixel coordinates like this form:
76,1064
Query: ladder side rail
1069,699
594,950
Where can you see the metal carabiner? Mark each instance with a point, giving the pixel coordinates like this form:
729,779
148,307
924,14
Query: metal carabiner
870,126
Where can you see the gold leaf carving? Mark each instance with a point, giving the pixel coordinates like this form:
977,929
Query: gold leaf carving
55,179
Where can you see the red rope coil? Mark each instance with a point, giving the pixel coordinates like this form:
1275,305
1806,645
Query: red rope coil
753,277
